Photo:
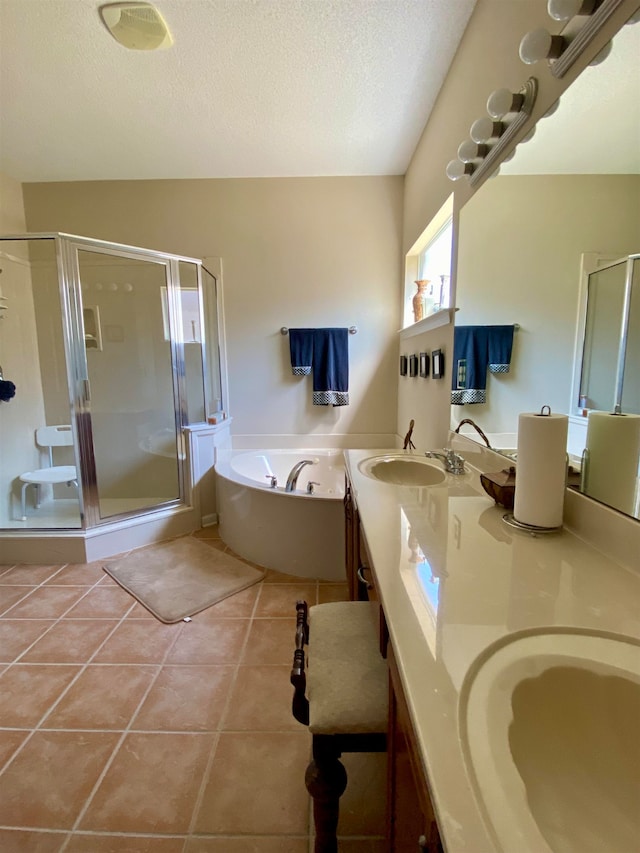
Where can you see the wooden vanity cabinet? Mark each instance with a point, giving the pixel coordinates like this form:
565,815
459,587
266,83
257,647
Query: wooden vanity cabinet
360,574
411,823
357,561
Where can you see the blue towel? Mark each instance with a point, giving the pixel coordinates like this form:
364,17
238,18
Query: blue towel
500,347
476,349
331,367
301,349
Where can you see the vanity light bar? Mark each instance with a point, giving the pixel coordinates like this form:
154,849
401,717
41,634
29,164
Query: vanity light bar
584,21
507,113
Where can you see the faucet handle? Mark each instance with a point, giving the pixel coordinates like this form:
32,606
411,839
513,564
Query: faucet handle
455,461
310,486
273,480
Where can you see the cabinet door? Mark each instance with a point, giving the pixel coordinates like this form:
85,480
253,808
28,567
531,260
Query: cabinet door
412,826
359,574
351,532
366,578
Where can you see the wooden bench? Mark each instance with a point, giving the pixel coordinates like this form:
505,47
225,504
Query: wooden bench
342,694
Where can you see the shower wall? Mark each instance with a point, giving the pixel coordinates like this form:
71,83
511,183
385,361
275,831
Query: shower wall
21,416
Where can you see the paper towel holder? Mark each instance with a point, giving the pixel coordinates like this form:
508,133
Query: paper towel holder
510,519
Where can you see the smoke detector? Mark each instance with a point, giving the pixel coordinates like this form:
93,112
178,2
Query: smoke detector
137,26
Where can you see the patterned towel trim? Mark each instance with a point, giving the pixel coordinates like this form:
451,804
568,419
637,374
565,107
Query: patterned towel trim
499,368
330,398
469,395
301,371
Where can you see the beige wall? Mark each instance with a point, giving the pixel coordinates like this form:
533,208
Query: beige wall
487,59
295,252
21,416
521,242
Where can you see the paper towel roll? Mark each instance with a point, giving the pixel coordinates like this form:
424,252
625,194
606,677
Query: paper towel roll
541,472
613,444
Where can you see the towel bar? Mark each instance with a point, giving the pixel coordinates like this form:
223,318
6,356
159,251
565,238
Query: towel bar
353,330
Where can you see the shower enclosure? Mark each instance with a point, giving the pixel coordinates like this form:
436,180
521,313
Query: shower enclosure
119,347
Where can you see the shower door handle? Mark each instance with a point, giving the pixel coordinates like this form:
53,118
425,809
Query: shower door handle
85,390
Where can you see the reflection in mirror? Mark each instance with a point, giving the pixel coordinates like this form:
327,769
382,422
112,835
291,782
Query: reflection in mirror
567,204
608,380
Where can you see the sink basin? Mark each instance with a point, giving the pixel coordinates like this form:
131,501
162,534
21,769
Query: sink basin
402,470
549,726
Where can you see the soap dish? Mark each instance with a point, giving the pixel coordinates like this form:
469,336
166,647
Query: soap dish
501,486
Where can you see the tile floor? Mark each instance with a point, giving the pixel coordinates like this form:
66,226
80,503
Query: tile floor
119,733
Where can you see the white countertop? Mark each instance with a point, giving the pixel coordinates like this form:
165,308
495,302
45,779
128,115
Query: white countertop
454,579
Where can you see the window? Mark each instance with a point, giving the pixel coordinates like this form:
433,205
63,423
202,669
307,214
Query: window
428,269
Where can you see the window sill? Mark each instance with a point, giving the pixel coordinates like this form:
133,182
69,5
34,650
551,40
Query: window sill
433,321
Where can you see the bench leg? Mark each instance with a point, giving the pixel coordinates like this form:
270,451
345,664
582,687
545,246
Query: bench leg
326,780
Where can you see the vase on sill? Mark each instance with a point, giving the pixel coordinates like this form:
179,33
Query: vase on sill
419,299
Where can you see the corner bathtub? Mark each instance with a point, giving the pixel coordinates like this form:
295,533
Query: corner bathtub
292,532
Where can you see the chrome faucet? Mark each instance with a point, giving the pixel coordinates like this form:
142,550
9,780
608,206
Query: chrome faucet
292,479
477,429
452,461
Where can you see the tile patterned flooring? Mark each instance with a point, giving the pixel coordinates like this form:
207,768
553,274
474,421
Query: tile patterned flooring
119,734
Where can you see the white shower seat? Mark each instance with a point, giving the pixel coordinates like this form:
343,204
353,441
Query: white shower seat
60,435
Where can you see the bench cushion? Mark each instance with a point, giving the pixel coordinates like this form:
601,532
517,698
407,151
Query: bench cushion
347,677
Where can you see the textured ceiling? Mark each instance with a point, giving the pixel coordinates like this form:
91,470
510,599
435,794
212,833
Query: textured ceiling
249,88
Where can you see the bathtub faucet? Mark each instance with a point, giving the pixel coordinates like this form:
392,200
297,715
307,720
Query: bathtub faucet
292,479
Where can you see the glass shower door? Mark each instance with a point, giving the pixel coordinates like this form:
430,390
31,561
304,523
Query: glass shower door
126,317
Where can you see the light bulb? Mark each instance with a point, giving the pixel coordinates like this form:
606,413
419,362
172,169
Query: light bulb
502,101
528,136
604,53
552,109
540,44
563,10
469,151
485,129
456,170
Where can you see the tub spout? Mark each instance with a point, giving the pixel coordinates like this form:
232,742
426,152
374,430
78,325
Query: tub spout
292,479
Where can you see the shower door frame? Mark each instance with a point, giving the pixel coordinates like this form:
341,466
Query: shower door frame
79,374
70,299
70,294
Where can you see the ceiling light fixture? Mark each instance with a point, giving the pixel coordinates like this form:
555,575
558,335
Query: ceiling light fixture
136,26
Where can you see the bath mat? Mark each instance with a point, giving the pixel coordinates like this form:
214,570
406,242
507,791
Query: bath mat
180,578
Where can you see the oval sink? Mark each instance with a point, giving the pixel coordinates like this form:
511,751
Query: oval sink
402,470
549,729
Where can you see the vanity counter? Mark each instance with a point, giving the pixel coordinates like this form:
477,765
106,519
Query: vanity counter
455,581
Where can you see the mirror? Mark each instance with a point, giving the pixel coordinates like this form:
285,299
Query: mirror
565,206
